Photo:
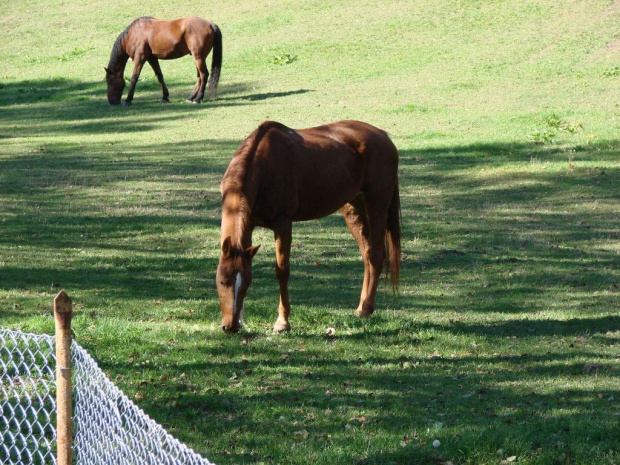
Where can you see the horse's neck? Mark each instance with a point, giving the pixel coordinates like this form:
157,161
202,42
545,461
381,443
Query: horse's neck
119,63
236,222
239,194
119,56
122,61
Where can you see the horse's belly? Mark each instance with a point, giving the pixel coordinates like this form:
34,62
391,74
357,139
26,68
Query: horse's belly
323,202
165,48
170,53
323,191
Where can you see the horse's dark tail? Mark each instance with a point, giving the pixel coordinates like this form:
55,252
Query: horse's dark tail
216,60
392,239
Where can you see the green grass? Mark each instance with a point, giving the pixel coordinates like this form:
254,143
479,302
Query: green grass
505,338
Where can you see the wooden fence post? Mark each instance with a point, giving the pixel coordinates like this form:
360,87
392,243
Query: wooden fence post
63,308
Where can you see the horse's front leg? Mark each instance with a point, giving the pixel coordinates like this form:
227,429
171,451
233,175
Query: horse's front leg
283,235
154,62
138,63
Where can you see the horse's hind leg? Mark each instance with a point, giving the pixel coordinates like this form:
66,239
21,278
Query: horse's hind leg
203,77
154,62
192,96
377,223
354,214
367,222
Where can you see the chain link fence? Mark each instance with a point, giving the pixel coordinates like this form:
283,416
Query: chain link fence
27,399
108,427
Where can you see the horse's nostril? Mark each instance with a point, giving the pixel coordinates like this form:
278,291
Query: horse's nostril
224,328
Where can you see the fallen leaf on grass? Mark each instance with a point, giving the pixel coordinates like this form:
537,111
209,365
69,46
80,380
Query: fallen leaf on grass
511,459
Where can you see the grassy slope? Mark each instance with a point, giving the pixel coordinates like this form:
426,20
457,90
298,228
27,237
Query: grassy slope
510,279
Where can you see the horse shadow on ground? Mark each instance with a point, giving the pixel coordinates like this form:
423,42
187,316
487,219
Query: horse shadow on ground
56,105
264,96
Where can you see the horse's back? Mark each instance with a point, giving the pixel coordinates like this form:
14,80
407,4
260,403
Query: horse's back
181,23
375,154
327,166
173,38
361,136
375,146
369,146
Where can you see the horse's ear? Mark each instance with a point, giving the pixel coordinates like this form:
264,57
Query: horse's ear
106,70
251,251
227,247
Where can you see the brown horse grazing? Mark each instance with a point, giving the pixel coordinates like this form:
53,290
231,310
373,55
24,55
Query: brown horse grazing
281,175
148,40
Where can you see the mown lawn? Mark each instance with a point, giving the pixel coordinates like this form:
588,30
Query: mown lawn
504,341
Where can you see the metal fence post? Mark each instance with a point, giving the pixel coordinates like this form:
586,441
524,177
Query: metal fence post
63,308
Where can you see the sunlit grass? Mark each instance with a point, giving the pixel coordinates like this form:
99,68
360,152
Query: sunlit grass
503,340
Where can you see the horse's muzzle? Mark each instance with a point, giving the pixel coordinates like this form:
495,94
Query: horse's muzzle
114,102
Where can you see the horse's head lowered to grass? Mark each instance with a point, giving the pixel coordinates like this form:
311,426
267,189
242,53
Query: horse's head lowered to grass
234,276
116,84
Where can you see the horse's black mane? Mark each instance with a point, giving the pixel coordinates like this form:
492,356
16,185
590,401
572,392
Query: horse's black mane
117,49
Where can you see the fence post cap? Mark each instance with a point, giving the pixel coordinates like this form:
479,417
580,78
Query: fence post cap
63,308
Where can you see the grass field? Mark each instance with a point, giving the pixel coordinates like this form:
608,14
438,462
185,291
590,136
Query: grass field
504,341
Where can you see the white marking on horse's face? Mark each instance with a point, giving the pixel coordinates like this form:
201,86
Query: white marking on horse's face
238,282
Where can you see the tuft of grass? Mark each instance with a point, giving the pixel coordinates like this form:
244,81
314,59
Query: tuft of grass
285,59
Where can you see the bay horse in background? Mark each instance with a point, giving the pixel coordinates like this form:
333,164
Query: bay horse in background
280,175
148,40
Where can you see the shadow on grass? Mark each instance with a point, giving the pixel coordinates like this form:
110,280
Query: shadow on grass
247,394
508,245
266,95
56,106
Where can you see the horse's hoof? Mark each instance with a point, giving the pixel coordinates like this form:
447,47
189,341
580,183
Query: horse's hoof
363,313
126,104
190,100
165,100
281,328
